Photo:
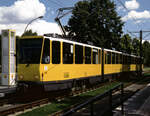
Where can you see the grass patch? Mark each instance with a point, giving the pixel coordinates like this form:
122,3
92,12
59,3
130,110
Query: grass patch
57,106
146,69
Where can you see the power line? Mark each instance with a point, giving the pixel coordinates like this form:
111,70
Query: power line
132,34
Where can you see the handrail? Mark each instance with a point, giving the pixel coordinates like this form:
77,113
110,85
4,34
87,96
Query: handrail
96,98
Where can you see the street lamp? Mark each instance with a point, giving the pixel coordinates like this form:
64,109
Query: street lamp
31,22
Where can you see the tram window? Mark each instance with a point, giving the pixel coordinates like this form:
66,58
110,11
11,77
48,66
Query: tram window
139,60
78,54
117,58
120,58
87,55
55,52
129,59
105,57
126,59
95,56
108,58
99,56
67,53
113,58
133,60
46,52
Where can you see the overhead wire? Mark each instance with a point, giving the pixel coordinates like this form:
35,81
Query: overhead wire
128,11
132,18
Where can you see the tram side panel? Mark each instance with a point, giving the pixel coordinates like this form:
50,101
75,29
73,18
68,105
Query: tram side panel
62,71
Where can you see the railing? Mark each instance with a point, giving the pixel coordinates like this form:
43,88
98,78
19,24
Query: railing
97,98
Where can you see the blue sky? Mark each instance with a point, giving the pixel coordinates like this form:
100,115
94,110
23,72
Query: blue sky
17,13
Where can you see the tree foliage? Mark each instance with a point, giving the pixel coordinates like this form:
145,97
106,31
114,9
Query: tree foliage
96,21
29,33
136,46
146,53
126,44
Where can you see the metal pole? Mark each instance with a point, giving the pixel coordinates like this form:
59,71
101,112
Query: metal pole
141,53
31,22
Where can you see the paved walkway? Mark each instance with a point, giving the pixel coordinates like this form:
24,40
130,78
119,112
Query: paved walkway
137,105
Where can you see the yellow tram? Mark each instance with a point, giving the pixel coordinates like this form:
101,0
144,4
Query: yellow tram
56,63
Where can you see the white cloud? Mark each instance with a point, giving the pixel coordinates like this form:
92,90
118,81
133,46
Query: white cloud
137,15
131,5
21,12
40,26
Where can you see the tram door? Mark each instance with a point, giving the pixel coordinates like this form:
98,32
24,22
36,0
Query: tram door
8,76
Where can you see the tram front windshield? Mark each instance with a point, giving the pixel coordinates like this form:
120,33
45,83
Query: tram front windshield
30,51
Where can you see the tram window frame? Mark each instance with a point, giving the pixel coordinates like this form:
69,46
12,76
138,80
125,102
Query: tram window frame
95,56
108,58
56,50
46,52
88,55
78,54
67,53
113,58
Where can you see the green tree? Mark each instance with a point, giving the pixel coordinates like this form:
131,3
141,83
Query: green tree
126,44
136,46
29,33
96,21
146,53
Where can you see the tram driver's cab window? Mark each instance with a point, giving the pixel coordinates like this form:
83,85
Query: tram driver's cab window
46,52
